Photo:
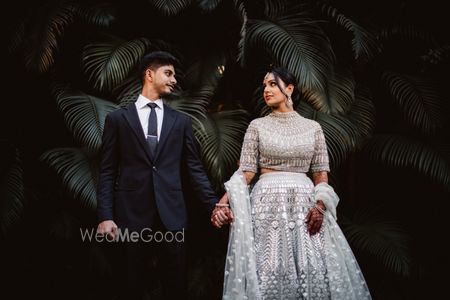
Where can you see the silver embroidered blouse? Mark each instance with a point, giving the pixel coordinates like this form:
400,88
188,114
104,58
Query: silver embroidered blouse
284,142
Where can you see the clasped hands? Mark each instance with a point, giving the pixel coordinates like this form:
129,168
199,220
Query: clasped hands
222,213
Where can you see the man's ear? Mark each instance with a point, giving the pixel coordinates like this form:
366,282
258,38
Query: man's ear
149,74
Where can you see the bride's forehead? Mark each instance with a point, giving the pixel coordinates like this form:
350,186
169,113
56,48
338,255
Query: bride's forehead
268,76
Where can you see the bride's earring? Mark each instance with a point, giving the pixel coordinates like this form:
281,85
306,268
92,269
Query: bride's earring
289,101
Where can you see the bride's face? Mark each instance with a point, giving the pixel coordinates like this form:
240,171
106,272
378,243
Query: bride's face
273,96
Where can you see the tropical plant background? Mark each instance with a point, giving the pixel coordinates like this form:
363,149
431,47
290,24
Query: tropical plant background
374,74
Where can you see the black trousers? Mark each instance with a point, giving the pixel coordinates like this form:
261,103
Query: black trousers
159,261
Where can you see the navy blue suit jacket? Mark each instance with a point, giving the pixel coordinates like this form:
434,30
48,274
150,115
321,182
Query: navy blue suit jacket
133,186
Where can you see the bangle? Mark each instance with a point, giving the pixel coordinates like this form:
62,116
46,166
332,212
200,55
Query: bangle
222,205
319,209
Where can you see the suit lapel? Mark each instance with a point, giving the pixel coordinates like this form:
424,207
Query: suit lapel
132,118
168,121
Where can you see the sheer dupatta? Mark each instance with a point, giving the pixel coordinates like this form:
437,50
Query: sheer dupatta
240,279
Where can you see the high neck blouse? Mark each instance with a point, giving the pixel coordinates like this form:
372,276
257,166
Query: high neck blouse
284,141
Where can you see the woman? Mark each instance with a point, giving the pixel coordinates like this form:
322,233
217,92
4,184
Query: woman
284,241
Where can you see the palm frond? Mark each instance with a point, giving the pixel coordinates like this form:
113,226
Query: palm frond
339,96
344,133
12,193
206,71
170,7
258,104
108,63
408,32
340,133
78,173
297,43
194,104
275,8
42,44
418,100
242,12
101,15
364,43
437,55
17,36
208,5
84,116
128,90
402,152
385,241
362,115
221,145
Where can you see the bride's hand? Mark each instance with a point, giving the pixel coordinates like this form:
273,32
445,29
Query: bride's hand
314,219
222,214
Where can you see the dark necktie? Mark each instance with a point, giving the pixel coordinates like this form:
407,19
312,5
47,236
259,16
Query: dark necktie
152,132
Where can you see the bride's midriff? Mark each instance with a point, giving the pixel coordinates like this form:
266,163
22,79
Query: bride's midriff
265,170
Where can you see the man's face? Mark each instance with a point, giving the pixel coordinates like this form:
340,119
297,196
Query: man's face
163,79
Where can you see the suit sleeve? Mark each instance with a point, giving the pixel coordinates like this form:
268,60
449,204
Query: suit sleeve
197,175
108,171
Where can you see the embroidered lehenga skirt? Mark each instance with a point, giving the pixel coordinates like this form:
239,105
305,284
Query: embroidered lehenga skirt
290,262
271,254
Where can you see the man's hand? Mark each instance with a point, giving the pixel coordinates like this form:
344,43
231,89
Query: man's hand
221,215
107,227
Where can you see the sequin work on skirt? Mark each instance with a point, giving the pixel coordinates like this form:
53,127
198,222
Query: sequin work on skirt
290,262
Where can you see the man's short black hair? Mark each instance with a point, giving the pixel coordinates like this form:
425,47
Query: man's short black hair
156,59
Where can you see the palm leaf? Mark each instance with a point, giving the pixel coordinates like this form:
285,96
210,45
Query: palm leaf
128,90
399,151
406,33
437,55
102,14
362,115
193,104
297,43
42,44
385,241
221,145
77,171
364,43
12,193
258,104
239,5
84,116
170,7
339,96
17,36
275,8
108,63
344,133
208,5
206,71
418,100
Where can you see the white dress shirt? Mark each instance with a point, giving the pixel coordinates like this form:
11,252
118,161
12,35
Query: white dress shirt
144,113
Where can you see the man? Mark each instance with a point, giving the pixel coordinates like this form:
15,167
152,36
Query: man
145,147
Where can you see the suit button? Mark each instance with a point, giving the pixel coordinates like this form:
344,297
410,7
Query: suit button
154,168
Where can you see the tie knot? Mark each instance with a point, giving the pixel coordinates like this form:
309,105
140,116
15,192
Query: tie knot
152,105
